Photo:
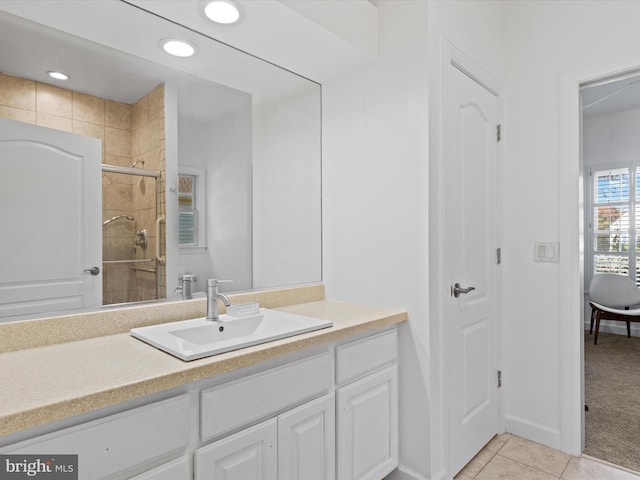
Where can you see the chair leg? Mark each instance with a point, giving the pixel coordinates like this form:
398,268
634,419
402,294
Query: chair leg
628,329
595,339
593,313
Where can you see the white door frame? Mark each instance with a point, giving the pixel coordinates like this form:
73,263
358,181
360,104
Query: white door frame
454,57
571,235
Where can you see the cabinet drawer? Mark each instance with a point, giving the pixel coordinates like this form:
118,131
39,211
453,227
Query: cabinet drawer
119,441
363,356
234,404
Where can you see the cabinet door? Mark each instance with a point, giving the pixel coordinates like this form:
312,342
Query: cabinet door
249,454
368,427
178,469
306,441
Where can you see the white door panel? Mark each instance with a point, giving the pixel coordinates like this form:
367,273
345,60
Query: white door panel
50,212
470,256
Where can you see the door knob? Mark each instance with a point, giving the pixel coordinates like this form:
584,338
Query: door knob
456,290
92,270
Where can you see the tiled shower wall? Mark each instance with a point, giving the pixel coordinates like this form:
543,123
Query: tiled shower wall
148,149
128,133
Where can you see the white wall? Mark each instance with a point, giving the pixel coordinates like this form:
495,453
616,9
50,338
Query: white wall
287,246
375,201
223,148
544,40
192,152
611,138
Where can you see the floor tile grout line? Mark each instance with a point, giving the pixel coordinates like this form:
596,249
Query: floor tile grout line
565,467
485,465
529,466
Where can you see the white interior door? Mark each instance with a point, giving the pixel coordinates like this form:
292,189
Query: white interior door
470,261
50,212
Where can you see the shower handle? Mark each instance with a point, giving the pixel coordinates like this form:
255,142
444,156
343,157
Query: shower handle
92,270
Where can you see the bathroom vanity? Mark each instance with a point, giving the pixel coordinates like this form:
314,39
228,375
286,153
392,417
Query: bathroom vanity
321,405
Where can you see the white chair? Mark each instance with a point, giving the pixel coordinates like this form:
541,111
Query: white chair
612,297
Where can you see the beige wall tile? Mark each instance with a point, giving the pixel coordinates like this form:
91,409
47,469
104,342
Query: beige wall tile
89,130
17,92
26,116
117,142
156,132
140,140
119,229
53,100
88,108
156,102
118,160
52,121
140,113
117,115
118,197
153,159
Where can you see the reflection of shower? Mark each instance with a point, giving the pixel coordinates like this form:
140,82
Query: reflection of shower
117,217
130,271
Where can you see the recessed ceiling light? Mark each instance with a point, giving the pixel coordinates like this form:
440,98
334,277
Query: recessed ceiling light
58,75
178,48
222,11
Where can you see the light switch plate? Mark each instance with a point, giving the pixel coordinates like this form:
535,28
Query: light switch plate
547,252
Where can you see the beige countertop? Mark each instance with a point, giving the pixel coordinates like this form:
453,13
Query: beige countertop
51,382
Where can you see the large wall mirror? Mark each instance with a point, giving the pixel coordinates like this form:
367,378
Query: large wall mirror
142,167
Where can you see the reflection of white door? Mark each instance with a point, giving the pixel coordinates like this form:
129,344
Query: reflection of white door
50,213
470,261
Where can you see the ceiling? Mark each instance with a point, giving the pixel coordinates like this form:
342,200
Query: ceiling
104,72
611,95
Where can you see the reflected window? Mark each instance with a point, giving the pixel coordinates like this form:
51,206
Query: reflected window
191,208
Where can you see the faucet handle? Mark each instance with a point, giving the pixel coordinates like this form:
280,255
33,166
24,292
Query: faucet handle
214,282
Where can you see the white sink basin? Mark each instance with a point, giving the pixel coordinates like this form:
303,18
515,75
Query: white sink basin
198,338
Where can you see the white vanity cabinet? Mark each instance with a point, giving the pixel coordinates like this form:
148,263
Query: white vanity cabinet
113,445
296,445
327,413
179,469
248,454
307,441
367,408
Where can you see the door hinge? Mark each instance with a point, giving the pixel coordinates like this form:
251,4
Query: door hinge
499,256
499,132
499,378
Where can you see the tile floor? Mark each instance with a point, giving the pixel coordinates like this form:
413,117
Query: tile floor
513,458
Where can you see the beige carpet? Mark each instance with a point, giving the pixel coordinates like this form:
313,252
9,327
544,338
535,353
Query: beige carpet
612,393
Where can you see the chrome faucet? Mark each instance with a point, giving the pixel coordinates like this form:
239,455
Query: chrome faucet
185,288
212,298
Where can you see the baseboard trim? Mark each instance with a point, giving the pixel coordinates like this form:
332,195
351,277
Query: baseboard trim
617,328
405,473
440,475
533,431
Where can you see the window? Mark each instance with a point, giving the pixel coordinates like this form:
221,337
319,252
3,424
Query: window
191,206
614,246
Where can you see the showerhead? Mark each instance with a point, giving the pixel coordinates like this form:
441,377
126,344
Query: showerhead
117,217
